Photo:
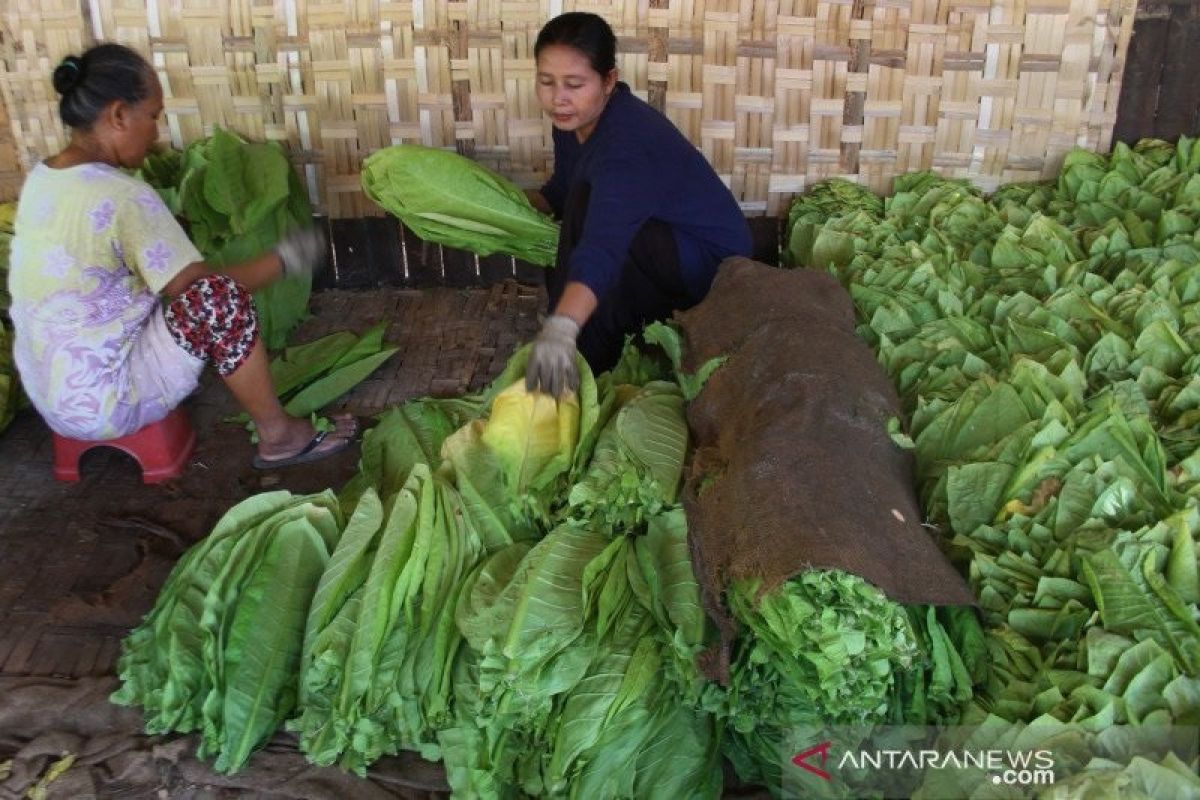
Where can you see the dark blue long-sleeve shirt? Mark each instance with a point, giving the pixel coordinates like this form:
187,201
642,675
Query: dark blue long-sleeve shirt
640,167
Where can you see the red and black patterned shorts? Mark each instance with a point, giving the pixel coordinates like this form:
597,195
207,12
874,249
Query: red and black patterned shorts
214,320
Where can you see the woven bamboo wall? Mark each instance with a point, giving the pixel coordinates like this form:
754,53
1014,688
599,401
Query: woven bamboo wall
777,93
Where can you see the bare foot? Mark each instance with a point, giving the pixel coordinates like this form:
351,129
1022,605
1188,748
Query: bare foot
296,439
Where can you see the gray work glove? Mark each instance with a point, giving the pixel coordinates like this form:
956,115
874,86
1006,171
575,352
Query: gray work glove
303,251
551,366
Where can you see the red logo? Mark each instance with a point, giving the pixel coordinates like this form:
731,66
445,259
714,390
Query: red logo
801,759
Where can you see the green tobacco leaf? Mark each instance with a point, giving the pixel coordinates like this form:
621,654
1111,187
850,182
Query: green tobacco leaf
368,344
347,568
547,611
485,611
446,198
405,436
265,641
322,392
224,186
1127,607
667,567
282,306
653,428
1183,569
266,182
300,364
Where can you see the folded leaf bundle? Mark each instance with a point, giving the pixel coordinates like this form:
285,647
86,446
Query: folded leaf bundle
220,650
449,199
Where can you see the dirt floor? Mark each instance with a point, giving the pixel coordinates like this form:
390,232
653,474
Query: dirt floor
81,563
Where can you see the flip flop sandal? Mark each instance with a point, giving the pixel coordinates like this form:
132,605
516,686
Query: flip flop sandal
308,454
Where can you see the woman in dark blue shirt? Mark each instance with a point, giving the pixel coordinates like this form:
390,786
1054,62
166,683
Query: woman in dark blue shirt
645,219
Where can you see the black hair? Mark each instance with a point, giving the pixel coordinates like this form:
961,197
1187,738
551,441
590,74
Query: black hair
588,33
104,73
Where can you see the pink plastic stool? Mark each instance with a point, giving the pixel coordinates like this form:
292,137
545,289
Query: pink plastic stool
161,449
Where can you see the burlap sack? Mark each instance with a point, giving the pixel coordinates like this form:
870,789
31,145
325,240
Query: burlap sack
794,468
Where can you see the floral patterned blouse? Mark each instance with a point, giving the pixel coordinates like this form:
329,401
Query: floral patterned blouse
93,247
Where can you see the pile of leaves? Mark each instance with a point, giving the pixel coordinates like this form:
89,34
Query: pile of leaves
238,199
512,593
449,199
1046,344
219,652
307,377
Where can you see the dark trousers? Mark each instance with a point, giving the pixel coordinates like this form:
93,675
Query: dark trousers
649,288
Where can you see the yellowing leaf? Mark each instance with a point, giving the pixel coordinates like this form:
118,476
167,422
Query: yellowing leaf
532,435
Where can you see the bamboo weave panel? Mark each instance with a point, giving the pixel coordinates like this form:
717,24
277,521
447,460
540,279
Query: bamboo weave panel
777,94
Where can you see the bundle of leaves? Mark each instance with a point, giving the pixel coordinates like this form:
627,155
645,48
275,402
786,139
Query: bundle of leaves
308,377
220,651
381,627
449,199
828,649
561,691
238,199
1044,341
512,593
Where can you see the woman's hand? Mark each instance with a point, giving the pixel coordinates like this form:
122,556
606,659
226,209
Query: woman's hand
302,251
539,201
299,254
551,366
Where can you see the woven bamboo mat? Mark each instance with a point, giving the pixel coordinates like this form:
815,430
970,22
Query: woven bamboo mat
777,94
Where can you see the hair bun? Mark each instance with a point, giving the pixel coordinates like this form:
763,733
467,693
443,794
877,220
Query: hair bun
68,74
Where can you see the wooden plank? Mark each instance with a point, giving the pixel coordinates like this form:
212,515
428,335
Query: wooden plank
495,269
326,277
458,268
1179,96
353,266
1143,75
530,274
366,253
423,261
856,97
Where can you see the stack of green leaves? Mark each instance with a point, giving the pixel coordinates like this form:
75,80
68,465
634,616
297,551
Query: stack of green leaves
561,692
837,197
310,376
381,629
449,199
513,594
238,199
1045,342
636,466
579,676
828,649
220,651
377,674
307,377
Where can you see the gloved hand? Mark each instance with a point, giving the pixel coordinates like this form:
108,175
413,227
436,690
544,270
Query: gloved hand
302,251
551,366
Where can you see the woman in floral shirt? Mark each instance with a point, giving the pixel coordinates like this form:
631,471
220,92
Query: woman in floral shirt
95,253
